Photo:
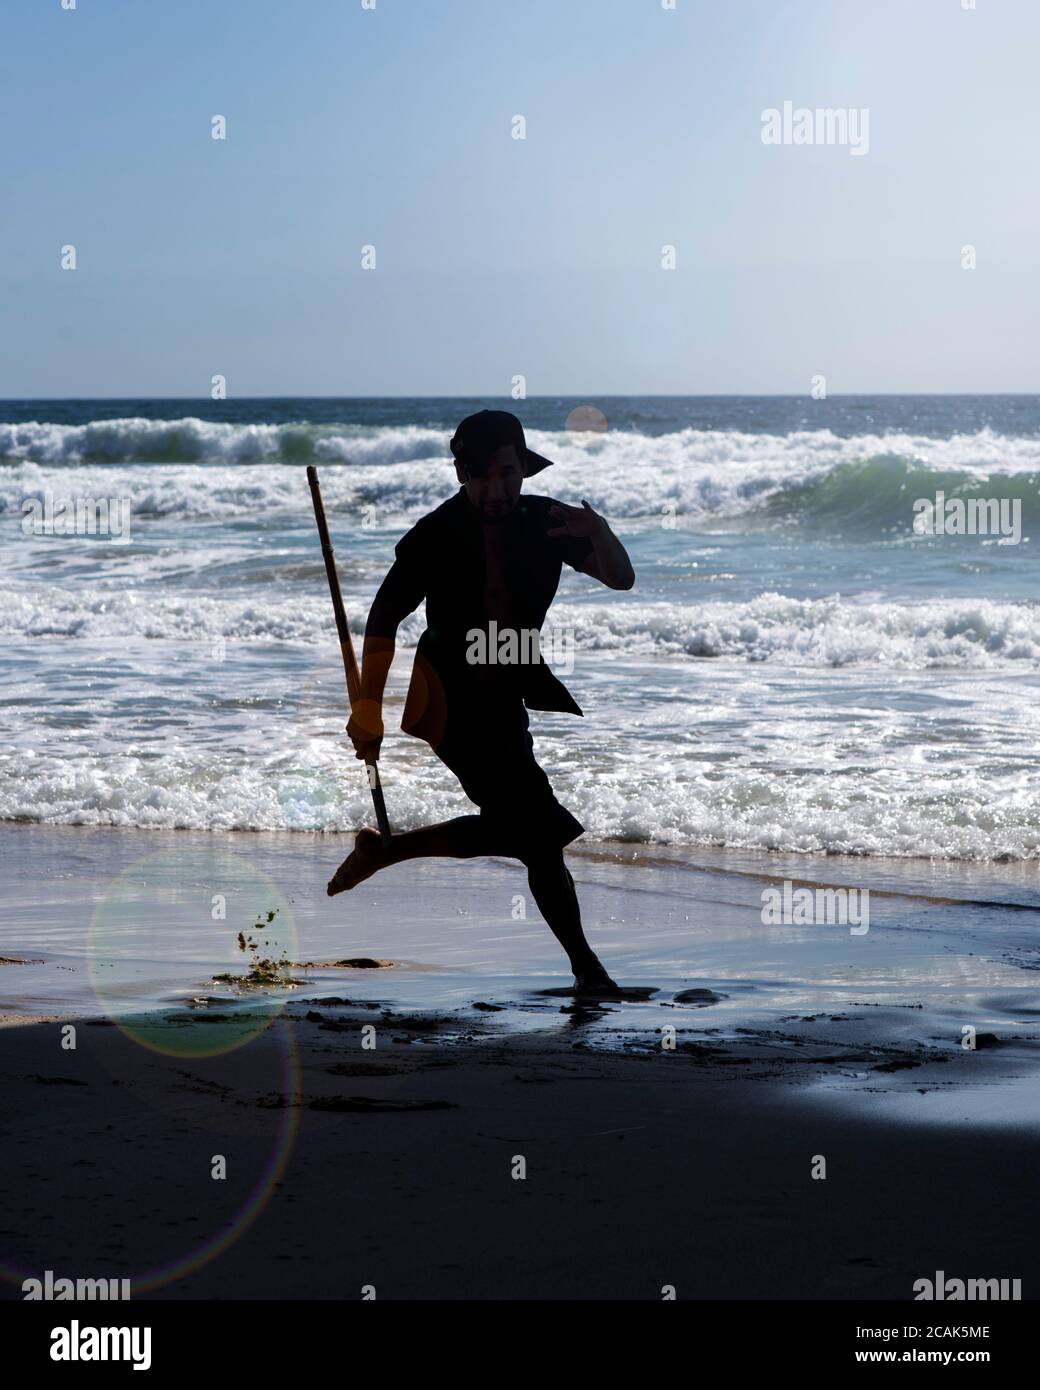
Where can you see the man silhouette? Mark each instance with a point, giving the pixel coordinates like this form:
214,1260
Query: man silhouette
486,556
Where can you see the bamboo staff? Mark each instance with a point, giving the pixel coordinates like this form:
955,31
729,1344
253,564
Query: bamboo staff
346,646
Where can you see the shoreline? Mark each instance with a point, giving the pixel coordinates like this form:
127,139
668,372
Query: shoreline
112,920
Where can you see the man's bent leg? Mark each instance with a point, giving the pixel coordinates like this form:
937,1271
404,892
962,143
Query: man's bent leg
461,838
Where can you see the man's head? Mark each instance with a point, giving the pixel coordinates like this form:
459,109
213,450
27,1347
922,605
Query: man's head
493,484
492,460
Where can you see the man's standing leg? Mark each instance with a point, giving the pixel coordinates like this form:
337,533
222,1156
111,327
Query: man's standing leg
496,765
552,888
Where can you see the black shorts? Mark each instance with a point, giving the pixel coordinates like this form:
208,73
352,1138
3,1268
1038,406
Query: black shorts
491,752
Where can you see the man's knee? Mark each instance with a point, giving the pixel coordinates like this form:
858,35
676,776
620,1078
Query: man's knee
543,859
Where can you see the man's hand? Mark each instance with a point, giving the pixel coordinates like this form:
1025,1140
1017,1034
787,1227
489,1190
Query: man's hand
575,521
366,729
608,559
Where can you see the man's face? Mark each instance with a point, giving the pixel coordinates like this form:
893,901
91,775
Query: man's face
495,494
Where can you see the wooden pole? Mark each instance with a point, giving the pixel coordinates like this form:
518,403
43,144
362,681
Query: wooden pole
346,646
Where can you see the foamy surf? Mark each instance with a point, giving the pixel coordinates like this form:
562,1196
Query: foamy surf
199,469
774,628
795,671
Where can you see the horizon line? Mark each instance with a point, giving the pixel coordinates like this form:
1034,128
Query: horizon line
561,395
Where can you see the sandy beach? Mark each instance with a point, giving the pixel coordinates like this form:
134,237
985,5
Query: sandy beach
455,1127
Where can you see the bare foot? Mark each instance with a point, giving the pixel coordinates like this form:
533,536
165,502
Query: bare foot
595,981
366,857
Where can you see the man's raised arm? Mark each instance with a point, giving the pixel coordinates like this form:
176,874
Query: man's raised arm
608,559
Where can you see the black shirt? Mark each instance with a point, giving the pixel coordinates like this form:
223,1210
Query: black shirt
442,559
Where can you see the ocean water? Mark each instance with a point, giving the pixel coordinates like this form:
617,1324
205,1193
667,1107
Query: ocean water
795,669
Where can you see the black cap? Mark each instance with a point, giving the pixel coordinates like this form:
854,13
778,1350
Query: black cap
478,436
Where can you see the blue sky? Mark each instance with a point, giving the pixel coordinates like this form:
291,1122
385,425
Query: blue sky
496,256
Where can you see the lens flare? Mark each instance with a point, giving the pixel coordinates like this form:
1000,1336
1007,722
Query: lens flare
193,926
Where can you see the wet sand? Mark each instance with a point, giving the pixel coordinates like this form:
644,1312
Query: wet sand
459,1127
643,1170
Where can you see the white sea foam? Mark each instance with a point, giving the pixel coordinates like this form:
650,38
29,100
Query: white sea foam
770,721
773,628
815,632
659,801
223,471
190,440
